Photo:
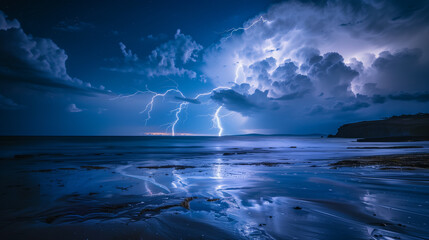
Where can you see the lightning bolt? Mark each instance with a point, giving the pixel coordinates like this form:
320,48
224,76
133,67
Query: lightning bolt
233,30
216,120
239,66
149,106
177,111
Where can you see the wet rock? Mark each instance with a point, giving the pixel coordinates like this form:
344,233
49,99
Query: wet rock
419,160
213,199
67,168
123,188
228,153
115,208
23,156
176,167
51,219
43,170
267,164
392,147
184,204
93,167
297,208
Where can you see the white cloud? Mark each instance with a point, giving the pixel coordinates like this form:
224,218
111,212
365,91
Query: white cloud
168,59
73,108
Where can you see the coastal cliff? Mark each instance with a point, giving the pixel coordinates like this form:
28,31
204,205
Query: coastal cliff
404,127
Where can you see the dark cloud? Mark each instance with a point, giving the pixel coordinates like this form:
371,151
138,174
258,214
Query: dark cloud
292,96
73,26
288,84
242,103
8,104
419,97
346,107
189,100
378,99
38,62
331,73
400,71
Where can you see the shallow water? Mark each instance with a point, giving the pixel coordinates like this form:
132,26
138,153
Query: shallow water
259,187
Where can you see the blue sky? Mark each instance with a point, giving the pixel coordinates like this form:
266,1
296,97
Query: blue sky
299,67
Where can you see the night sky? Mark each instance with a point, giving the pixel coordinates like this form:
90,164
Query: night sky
269,67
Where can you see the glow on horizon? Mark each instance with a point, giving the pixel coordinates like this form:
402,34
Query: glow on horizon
169,134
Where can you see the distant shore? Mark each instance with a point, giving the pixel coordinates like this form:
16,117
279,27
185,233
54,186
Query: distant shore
404,128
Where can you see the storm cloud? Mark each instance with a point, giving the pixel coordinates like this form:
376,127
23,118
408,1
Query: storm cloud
35,61
329,57
245,104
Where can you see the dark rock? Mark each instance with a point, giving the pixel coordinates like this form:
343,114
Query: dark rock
213,199
417,160
228,153
177,167
93,167
392,147
67,168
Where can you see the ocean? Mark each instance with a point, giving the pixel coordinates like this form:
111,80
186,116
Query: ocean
233,187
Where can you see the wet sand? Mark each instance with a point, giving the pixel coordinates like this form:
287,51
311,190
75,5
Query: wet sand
239,188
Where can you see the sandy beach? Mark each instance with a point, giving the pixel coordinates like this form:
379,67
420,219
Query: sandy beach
203,188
